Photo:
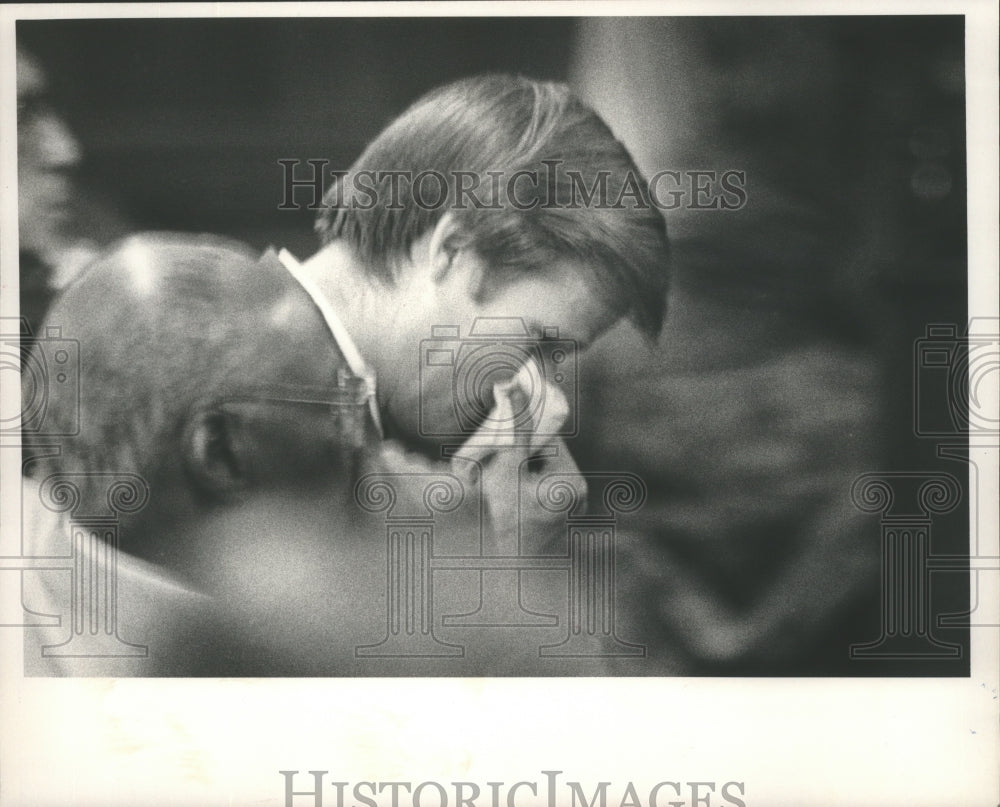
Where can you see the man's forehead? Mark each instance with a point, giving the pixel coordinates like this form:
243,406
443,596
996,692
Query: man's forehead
563,302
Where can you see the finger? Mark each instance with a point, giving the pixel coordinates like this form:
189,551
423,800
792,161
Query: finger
496,436
552,417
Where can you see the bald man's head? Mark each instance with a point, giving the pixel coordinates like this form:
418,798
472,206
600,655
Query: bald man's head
210,373
202,368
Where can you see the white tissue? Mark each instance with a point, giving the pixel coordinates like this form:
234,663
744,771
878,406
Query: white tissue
544,400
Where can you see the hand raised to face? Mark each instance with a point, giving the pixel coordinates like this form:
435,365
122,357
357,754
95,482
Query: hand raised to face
504,462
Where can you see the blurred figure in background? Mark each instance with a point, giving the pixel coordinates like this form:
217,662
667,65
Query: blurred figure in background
47,155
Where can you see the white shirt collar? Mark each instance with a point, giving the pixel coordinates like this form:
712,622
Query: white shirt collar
340,333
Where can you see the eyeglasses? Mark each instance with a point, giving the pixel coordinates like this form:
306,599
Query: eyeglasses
345,405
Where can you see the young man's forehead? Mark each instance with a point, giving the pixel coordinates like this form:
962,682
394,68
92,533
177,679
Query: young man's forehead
568,323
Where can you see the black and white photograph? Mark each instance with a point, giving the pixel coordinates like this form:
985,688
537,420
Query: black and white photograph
399,375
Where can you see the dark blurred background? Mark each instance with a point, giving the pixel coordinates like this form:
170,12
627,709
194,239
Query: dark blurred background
786,367
182,122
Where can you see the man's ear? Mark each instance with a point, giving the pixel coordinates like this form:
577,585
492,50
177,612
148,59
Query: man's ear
217,450
449,246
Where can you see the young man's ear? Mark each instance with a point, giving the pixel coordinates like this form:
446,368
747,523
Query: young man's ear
218,451
450,250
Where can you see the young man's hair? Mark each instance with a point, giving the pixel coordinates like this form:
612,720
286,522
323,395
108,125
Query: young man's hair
588,202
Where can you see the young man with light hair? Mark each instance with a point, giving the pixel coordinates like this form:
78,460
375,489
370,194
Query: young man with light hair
492,197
